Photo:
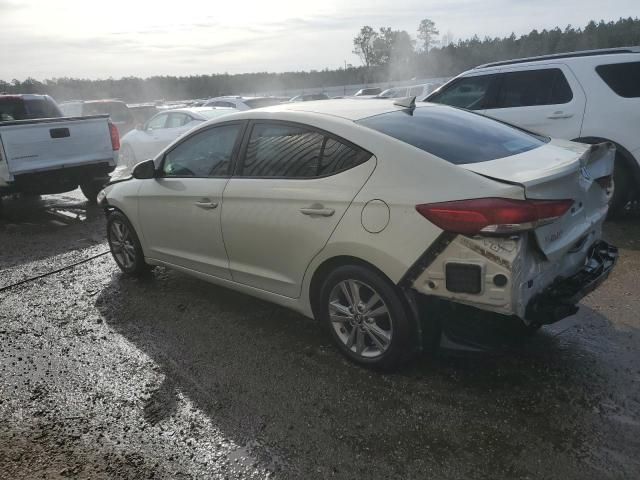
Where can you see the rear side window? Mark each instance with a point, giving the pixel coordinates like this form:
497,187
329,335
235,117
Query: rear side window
622,78
222,104
287,151
471,93
454,135
533,87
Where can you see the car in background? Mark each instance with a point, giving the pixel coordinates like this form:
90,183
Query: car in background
373,217
162,129
142,112
590,96
368,92
117,110
41,152
242,103
418,91
309,97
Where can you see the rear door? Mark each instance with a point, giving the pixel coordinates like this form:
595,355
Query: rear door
545,99
290,190
180,210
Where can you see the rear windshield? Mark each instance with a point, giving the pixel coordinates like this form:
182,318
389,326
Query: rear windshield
622,78
18,108
454,135
118,111
262,102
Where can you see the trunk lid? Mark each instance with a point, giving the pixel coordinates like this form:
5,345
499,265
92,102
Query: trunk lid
559,170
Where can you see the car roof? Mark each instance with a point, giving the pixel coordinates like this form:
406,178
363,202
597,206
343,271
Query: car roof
583,54
197,109
347,108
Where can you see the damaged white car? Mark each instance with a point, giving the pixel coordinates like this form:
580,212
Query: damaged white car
360,213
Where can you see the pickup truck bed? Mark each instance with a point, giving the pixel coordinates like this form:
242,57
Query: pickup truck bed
55,155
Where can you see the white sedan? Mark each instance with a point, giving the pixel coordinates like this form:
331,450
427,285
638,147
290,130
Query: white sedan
145,141
362,214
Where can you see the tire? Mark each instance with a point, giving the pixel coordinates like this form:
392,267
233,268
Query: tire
90,190
128,157
622,182
385,340
125,246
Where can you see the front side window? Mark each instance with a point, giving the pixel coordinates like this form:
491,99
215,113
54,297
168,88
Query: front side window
287,151
471,93
454,135
223,104
530,88
157,122
206,154
622,78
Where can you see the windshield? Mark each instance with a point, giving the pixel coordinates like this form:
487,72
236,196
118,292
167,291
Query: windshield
18,108
454,135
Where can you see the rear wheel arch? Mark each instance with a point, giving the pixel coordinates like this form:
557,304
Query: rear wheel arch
622,153
413,306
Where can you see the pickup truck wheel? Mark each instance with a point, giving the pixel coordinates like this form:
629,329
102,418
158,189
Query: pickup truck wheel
366,317
90,190
621,189
125,245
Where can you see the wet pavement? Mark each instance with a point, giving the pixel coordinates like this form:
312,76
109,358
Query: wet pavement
102,376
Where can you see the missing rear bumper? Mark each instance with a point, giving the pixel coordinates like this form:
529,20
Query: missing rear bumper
559,299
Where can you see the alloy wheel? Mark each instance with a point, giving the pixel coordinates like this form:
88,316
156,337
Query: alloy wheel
122,244
360,318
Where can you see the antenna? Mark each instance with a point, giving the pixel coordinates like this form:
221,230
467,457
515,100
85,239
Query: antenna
406,102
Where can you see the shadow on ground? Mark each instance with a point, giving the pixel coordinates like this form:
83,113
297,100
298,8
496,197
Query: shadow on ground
561,407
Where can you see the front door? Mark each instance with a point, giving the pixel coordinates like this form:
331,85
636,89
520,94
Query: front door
180,211
289,193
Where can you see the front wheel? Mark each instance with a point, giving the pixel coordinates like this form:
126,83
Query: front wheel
367,317
125,245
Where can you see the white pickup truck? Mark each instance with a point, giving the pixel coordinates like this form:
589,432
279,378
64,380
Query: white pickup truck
42,152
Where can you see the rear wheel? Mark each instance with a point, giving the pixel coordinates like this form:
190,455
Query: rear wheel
367,317
125,245
91,189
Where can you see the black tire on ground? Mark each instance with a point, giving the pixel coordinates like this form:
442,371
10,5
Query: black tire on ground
125,246
90,190
622,188
399,321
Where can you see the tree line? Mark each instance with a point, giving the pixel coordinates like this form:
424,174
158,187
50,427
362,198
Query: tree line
387,55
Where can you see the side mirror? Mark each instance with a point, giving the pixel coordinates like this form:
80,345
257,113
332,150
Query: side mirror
144,170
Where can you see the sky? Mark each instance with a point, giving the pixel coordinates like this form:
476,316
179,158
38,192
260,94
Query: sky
117,38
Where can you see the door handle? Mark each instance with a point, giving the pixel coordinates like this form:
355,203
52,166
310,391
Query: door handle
317,211
558,115
207,205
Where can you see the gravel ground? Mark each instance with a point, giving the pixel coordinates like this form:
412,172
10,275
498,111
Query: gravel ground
102,376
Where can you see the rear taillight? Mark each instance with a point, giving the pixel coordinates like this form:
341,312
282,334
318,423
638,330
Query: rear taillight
115,136
493,215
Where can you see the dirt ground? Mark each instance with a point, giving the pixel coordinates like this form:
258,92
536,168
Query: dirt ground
102,376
